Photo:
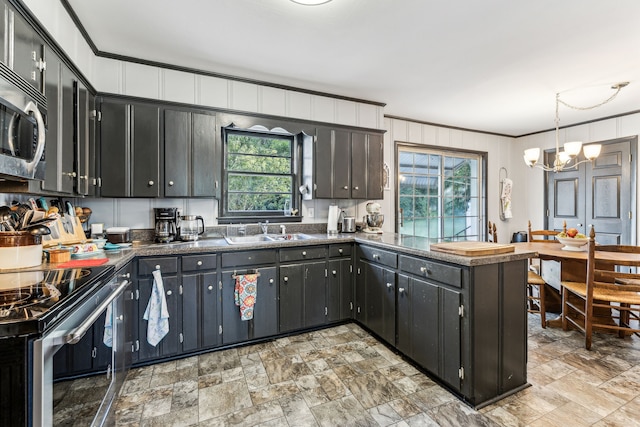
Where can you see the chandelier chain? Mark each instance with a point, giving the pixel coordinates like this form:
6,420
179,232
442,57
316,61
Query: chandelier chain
591,107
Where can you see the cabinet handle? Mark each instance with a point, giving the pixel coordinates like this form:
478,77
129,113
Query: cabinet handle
376,256
340,250
389,285
285,278
401,290
355,188
346,187
150,183
210,287
425,270
169,292
333,272
304,253
69,174
199,263
270,280
125,276
170,183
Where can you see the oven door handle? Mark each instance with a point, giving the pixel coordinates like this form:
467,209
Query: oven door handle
76,335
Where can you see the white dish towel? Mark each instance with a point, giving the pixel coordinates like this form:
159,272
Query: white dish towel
107,338
157,313
507,187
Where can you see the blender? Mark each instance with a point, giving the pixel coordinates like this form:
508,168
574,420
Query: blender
374,219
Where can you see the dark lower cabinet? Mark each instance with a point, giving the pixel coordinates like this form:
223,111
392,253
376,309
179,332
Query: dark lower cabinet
200,311
340,290
376,297
265,310
429,326
302,295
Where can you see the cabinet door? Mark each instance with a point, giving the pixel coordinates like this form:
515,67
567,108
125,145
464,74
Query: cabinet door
360,309
203,170
170,343
234,329
115,178
380,301
210,308
177,149
341,148
190,309
27,50
425,322
323,159
69,132
339,290
291,293
450,302
315,293
145,151
265,313
375,161
53,171
83,149
359,165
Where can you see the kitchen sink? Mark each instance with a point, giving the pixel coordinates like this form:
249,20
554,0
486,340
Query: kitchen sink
264,238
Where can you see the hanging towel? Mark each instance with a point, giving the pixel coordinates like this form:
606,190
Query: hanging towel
245,294
157,313
505,197
107,338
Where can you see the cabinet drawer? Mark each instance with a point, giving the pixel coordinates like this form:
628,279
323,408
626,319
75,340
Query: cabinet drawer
340,250
390,259
199,262
303,253
167,265
443,273
248,258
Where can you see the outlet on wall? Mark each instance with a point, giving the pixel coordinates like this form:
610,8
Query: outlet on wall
311,212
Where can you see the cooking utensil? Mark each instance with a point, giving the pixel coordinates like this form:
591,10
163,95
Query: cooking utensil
38,230
6,218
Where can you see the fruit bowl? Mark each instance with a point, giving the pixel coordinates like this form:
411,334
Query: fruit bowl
573,243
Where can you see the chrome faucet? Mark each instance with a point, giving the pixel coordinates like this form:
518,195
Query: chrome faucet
264,226
283,229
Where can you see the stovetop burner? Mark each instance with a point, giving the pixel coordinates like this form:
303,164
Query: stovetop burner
34,295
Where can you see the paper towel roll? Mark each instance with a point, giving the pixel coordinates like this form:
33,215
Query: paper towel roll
332,222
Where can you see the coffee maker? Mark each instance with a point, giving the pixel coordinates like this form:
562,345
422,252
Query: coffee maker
167,223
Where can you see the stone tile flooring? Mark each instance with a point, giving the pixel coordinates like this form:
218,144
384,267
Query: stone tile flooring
342,376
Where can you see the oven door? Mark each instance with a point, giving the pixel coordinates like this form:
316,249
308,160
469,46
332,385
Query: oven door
108,299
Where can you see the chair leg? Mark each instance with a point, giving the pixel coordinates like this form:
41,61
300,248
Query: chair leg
543,315
624,319
565,309
588,323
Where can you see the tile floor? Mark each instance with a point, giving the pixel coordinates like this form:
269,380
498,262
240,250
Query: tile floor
342,376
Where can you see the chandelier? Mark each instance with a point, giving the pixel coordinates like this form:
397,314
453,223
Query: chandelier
564,159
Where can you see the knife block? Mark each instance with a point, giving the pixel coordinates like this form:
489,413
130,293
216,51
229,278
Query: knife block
66,230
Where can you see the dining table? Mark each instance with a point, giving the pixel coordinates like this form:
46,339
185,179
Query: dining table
558,264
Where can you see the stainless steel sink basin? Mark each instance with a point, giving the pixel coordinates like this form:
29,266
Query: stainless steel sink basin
263,238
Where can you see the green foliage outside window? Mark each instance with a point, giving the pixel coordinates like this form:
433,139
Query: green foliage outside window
259,172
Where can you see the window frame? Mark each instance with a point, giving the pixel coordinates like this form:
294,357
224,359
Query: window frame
446,152
228,217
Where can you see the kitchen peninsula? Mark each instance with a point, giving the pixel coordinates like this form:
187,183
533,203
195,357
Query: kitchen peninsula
461,319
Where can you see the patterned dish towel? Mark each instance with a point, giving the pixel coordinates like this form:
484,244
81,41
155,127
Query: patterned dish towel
245,294
157,313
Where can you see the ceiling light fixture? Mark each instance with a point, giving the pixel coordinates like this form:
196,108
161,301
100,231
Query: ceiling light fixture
571,149
311,2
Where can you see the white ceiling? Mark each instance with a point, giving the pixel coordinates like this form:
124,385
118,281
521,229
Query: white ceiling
490,65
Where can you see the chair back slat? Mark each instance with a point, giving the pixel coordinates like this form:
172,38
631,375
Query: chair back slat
544,236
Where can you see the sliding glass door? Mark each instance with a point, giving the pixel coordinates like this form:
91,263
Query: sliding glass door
440,193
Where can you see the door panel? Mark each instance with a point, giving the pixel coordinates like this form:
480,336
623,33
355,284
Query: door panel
592,195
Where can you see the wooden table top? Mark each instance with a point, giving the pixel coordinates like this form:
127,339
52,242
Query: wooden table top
555,251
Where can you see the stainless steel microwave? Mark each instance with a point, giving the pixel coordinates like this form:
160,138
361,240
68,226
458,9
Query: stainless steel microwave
22,135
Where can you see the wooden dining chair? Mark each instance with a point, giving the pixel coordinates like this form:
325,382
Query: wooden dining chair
608,288
492,233
535,283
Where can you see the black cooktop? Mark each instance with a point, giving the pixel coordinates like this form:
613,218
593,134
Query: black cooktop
32,301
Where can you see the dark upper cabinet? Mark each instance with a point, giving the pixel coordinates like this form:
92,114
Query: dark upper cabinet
86,179
350,164
189,143
27,52
129,149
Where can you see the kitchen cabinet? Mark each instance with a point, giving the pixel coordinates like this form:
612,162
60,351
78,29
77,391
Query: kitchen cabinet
350,163
200,301
170,345
189,152
303,289
340,283
265,310
86,181
375,291
26,55
129,149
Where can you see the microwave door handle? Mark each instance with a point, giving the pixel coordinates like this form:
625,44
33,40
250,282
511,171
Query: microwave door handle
33,108
76,335
11,138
